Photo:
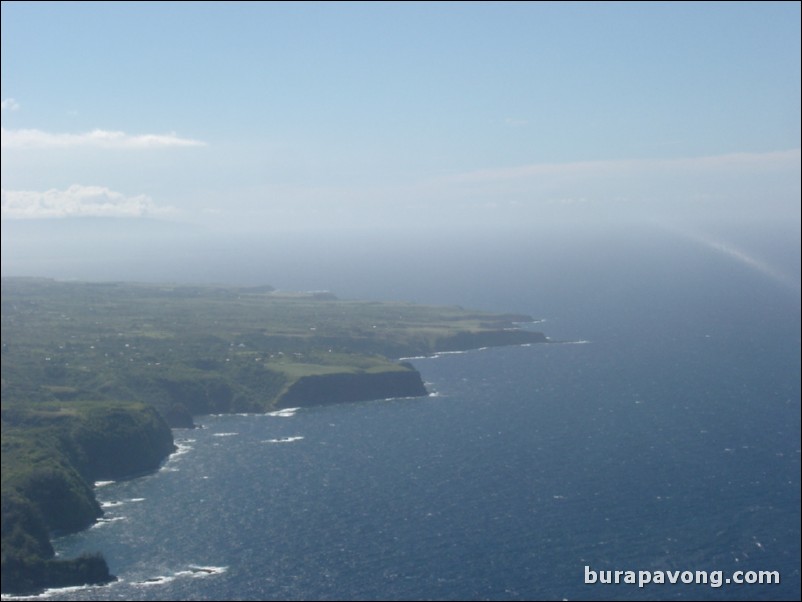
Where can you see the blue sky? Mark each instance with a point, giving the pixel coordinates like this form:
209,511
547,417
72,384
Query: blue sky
262,115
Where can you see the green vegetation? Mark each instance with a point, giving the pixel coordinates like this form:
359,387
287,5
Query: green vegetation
51,453
93,373
201,349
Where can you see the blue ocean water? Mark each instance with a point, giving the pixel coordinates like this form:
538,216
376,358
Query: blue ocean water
664,434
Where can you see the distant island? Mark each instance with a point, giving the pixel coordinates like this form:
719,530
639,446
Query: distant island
94,375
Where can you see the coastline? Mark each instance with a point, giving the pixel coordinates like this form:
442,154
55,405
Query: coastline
65,428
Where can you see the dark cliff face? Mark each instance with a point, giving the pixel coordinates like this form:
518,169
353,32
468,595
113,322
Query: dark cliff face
113,443
337,388
31,576
56,459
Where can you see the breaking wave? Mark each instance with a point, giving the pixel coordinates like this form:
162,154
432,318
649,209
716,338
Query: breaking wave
192,571
284,439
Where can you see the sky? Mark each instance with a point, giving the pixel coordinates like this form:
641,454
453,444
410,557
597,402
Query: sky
265,117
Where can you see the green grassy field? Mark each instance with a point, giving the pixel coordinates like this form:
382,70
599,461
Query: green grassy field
206,348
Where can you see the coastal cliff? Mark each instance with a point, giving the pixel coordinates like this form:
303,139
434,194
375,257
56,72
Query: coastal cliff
341,387
51,457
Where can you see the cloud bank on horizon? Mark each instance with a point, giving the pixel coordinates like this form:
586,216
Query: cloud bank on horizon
641,188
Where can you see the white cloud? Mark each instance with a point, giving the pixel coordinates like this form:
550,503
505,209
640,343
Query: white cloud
95,138
9,104
77,201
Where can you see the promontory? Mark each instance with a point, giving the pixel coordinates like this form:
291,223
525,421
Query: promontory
95,374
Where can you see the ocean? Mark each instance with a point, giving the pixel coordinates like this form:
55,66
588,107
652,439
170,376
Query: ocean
660,431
